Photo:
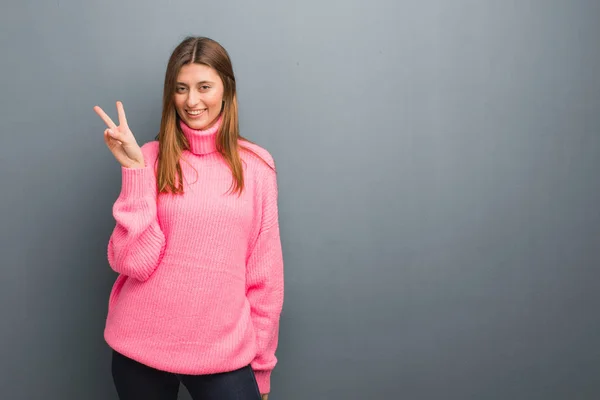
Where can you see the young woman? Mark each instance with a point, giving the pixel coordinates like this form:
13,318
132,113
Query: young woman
196,244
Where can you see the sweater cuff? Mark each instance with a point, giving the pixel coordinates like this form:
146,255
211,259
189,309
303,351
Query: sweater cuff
263,379
137,182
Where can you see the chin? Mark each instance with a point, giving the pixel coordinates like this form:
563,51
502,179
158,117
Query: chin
200,124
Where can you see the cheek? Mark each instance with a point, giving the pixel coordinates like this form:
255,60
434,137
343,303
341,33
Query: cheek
216,98
215,102
179,101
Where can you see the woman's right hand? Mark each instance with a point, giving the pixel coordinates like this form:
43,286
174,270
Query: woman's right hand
120,139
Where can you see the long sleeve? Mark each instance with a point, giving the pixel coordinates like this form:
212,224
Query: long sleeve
137,242
265,285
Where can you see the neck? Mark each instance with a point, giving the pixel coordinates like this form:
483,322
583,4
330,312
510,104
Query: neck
201,141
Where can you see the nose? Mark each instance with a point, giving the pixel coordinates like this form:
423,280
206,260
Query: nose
193,98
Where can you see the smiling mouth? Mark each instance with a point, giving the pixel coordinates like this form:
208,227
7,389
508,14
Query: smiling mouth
195,113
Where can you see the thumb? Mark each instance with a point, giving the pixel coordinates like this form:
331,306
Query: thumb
113,134
110,134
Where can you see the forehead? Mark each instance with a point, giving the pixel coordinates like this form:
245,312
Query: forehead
191,73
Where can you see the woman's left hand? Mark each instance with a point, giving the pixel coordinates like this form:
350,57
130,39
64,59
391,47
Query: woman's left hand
265,397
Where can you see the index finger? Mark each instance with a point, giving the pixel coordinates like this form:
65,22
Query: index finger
121,111
109,122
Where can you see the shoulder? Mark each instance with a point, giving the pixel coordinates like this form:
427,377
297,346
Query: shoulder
150,150
254,154
150,147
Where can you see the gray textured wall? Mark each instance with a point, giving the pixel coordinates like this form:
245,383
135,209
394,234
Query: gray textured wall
439,188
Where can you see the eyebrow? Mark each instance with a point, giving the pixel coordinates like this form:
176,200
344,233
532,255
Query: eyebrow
199,83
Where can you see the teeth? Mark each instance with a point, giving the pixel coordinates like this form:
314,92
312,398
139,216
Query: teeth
195,112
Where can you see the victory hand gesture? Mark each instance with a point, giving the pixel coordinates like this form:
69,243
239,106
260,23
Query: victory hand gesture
120,140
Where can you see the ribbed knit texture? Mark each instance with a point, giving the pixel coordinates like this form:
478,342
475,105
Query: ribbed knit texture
200,285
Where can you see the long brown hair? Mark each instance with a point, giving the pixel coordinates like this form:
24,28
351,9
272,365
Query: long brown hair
172,142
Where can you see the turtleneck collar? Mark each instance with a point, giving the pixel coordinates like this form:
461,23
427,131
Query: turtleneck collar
201,141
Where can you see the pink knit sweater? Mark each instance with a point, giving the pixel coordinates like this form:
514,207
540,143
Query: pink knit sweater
200,285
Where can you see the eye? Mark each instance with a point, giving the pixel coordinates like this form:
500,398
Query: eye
180,89
204,87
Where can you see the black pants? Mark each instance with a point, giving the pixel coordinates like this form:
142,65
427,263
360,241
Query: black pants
136,381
